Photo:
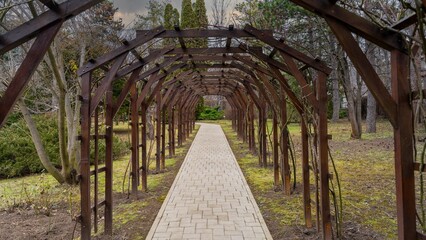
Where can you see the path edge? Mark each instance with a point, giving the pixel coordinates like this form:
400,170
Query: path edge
250,194
163,206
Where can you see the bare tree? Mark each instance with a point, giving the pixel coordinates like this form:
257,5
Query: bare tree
219,11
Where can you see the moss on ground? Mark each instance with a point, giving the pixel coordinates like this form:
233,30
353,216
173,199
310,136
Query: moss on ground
42,192
366,169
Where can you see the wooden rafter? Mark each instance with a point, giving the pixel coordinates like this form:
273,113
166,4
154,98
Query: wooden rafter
34,27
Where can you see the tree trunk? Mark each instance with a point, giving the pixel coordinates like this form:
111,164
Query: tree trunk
336,100
371,114
35,136
371,102
68,171
344,76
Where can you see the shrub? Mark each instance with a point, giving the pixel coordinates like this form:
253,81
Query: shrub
211,113
18,156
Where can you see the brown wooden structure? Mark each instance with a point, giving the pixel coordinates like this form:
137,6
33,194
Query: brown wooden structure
175,77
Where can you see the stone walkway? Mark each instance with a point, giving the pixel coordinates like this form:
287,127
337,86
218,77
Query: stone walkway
210,198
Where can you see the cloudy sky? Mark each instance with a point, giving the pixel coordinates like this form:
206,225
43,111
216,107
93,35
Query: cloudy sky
129,8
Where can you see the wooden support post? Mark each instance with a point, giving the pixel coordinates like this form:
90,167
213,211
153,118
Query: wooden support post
96,172
275,149
188,123
109,123
323,155
252,130
285,165
403,141
305,173
144,170
135,138
163,139
249,121
180,130
85,158
171,129
158,166
233,116
244,135
264,138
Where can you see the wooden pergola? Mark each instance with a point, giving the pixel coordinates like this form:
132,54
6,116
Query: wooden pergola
176,77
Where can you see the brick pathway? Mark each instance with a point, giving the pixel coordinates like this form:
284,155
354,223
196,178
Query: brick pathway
210,198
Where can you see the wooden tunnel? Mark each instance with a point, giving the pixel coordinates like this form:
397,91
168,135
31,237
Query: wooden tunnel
173,78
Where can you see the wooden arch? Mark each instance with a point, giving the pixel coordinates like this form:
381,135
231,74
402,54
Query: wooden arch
174,79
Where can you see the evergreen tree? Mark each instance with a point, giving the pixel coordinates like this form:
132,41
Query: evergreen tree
175,17
171,18
168,17
187,15
200,14
201,21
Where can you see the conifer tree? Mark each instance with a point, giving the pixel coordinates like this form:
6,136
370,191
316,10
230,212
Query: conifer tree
168,17
201,21
187,15
200,14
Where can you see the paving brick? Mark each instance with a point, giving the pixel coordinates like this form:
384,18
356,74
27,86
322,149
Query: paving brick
210,198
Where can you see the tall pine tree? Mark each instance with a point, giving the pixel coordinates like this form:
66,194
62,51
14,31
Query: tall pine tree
176,17
200,14
201,21
168,17
171,19
187,15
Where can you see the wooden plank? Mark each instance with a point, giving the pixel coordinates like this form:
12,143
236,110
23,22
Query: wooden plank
275,149
85,158
365,69
291,95
26,70
41,23
114,54
210,58
382,37
109,125
208,50
323,156
306,89
125,91
145,61
282,47
404,146
158,165
144,171
405,22
259,55
51,4
181,40
203,33
253,64
134,137
106,82
285,166
144,92
305,175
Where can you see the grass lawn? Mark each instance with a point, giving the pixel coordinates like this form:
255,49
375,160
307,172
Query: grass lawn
366,169
40,195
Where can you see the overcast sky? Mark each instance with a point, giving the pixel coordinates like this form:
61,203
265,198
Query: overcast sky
129,8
